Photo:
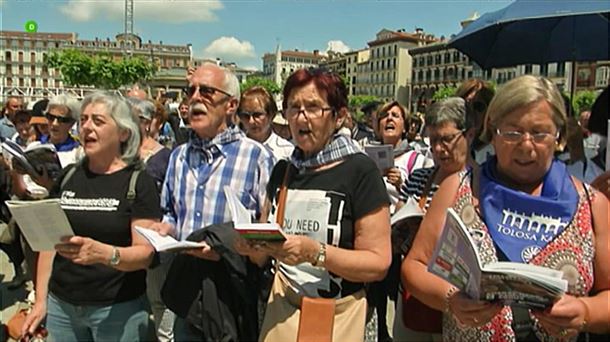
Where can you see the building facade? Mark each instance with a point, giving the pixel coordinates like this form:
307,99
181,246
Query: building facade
281,64
389,64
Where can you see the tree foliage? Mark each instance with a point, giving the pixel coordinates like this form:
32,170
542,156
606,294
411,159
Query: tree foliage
358,101
443,93
268,84
583,100
100,71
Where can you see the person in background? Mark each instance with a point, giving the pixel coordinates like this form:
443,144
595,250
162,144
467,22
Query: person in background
23,136
7,127
526,121
62,112
256,110
91,288
598,125
38,122
155,158
478,94
160,128
449,128
574,155
280,126
391,128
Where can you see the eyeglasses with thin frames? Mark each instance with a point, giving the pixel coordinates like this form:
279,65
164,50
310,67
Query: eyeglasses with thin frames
445,140
516,136
311,112
61,119
204,91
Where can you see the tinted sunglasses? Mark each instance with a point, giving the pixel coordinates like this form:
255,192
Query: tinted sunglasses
61,119
247,115
205,91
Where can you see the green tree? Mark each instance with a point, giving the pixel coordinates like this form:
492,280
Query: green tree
268,84
101,71
358,101
443,93
583,100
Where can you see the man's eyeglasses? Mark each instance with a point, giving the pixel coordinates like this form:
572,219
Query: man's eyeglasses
445,140
61,119
204,91
245,116
313,111
516,136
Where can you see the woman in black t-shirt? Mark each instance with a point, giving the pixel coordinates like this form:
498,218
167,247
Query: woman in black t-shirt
94,289
336,216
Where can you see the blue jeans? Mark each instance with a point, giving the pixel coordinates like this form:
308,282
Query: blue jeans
127,321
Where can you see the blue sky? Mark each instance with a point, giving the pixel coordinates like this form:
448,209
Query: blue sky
243,30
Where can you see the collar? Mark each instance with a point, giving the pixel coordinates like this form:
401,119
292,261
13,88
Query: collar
211,148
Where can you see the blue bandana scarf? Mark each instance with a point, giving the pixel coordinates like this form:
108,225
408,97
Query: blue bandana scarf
521,225
210,148
339,148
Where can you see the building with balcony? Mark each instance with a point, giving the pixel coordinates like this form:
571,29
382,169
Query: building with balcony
389,64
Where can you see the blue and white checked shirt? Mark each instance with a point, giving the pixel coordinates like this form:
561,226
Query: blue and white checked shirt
192,196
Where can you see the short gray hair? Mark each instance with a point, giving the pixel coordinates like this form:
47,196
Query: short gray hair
520,92
449,110
142,108
68,102
230,83
120,111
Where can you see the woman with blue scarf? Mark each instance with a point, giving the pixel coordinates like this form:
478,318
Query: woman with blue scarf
526,120
336,217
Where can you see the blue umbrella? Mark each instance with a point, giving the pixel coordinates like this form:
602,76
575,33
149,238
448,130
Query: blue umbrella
538,32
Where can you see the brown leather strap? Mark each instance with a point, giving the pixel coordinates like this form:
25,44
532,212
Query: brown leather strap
281,198
316,320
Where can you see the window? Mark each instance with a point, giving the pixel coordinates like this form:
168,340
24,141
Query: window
20,57
437,74
447,58
33,57
394,62
21,82
561,69
437,59
395,50
414,62
45,82
544,69
422,61
602,77
32,82
528,69
7,56
429,60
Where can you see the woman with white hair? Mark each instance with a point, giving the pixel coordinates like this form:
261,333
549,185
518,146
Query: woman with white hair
92,287
62,113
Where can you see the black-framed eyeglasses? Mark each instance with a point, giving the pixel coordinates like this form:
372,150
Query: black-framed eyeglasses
516,136
445,140
204,90
311,111
61,119
245,116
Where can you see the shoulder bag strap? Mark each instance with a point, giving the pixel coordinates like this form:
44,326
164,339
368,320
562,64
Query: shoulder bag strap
424,195
281,198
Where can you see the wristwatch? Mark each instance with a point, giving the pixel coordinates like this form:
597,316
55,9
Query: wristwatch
321,258
115,258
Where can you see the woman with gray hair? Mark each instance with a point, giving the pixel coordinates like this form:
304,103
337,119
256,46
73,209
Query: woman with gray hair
450,130
92,286
62,113
526,121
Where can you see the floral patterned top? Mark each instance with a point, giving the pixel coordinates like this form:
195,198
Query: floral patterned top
572,251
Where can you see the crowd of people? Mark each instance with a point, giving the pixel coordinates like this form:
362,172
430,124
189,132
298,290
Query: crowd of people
130,161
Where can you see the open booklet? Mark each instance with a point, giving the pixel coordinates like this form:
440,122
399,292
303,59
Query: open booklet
242,221
35,158
167,243
405,223
43,223
382,155
456,259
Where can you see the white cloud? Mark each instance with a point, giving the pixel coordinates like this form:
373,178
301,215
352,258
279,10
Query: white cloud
229,49
168,11
337,46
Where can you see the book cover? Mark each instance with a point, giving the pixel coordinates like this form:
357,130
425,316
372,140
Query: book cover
35,158
456,259
242,221
382,155
167,243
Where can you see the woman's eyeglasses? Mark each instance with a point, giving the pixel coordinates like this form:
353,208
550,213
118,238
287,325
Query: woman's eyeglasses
61,119
445,140
516,136
204,91
245,116
313,111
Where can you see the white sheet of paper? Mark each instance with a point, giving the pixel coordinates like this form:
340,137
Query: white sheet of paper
166,243
43,223
382,155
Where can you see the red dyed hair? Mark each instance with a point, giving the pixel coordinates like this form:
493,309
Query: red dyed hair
326,82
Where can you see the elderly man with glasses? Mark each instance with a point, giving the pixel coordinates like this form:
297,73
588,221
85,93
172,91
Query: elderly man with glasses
218,154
